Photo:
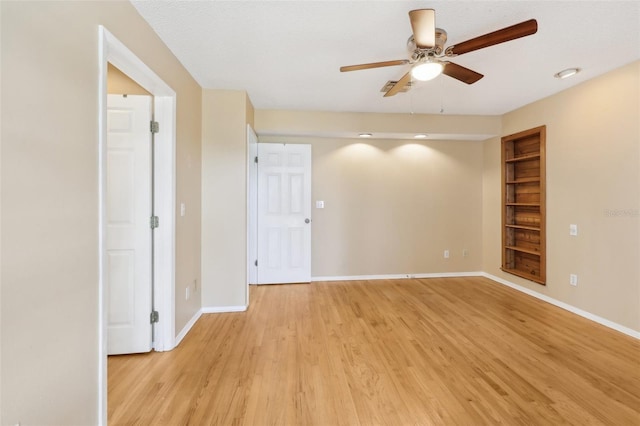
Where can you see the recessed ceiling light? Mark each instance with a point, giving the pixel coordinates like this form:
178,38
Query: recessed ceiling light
567,73
420,136
365,135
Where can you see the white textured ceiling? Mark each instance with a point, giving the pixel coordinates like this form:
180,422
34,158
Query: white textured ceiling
287,54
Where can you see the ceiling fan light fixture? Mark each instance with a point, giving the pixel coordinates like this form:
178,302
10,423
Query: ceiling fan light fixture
569,72
426,71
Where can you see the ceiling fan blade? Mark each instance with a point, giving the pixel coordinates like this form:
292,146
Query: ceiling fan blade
461,73
399,85
423,23
513,32
373,65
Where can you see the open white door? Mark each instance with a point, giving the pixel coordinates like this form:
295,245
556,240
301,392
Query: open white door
128,234
252,208
284,213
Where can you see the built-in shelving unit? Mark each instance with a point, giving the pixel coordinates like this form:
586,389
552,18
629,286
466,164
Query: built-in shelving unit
523,204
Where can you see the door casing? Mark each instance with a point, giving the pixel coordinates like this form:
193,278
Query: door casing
111,50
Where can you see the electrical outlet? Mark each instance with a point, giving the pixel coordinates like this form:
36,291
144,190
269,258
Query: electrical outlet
573,230
187,293
446,254
573,279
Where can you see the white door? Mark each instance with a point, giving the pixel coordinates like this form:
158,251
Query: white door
252,207
128,239
284,213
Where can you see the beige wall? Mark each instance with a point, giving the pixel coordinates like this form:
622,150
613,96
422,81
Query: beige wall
118,83
593,180
49,242
226,114
391,206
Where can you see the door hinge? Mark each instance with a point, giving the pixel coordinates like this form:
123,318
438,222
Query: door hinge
256,160
154,127
154,222
155,317
256,262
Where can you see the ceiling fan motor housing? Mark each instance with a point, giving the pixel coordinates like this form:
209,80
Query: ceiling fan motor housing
441,39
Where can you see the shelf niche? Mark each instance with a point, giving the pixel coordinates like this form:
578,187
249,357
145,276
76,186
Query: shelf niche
523,204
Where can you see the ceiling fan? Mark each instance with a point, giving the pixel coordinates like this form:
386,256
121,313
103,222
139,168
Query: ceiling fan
429,58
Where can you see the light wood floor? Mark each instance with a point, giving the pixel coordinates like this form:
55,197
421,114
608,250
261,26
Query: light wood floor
455,351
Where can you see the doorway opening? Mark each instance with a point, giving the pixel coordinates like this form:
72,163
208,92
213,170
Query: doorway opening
112,51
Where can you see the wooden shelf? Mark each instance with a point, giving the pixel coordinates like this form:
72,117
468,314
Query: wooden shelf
523,158
525,275
523,180
523,204
528,228
523,250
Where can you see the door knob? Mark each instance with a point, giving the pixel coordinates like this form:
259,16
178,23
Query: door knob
307,220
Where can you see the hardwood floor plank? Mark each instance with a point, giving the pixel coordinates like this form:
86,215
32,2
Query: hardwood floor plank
400,352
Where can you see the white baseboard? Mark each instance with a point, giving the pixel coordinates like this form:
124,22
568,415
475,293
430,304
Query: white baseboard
223,309
186,328
588,315
397,276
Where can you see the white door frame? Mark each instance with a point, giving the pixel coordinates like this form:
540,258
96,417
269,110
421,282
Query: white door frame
111,50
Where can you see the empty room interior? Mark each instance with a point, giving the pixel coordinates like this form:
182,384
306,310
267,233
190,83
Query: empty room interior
320,213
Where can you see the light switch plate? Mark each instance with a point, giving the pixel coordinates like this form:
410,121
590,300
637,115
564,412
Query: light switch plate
319,204
573,230
573,279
